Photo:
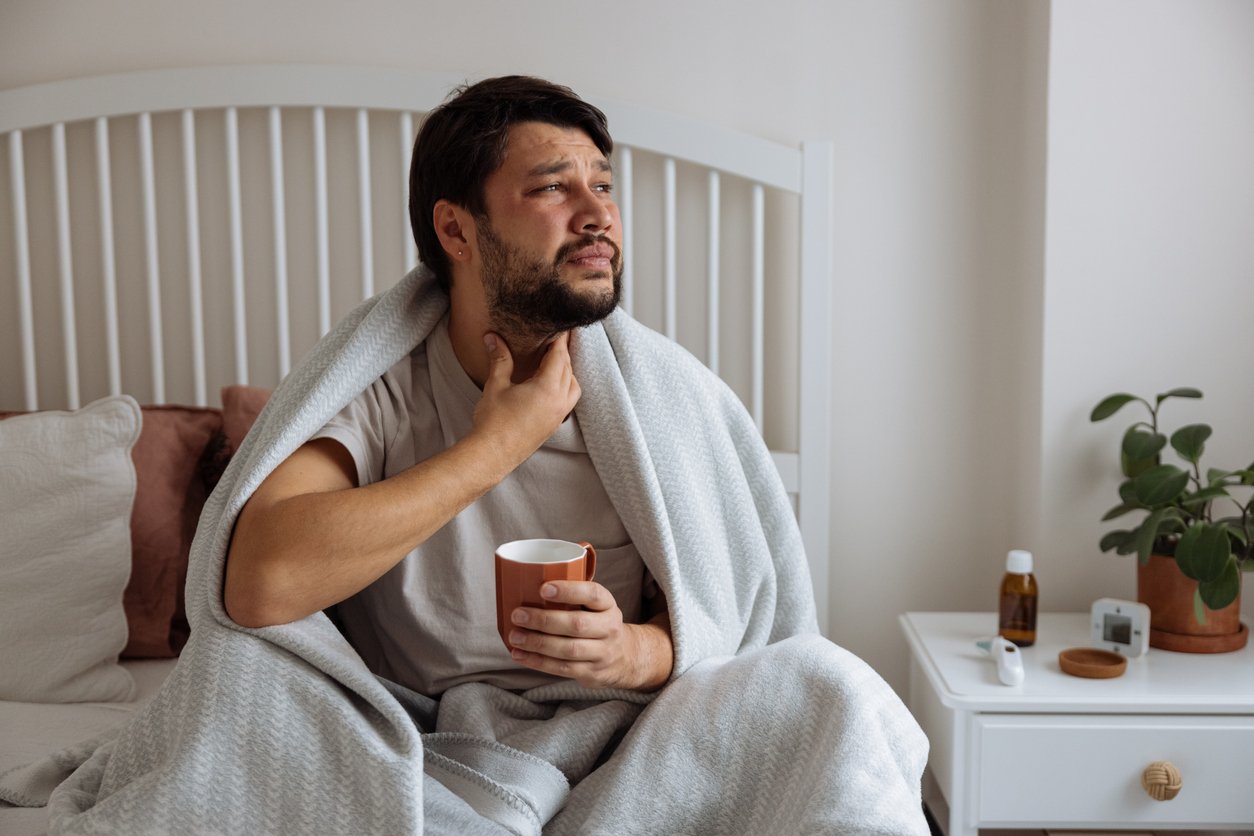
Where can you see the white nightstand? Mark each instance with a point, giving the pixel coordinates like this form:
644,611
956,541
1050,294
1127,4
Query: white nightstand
1063,752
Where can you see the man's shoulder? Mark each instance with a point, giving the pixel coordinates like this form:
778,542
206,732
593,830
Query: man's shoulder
644,339
645,351
686,399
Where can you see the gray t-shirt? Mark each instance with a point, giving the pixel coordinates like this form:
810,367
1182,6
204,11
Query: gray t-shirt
430,622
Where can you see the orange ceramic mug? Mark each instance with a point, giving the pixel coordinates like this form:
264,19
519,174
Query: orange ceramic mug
523,566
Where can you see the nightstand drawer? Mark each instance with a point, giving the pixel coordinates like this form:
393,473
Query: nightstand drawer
1086,769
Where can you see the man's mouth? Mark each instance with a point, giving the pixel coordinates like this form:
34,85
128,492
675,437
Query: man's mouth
599,256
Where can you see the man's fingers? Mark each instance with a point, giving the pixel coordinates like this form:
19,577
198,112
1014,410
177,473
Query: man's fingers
593,603
556,358
500,361
574,623
588,594
561,354
589,644
561,648
561,345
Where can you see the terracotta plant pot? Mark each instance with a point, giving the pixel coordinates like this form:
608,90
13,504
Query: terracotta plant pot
1169,594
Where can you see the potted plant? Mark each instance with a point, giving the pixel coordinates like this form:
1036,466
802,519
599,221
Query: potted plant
1197,533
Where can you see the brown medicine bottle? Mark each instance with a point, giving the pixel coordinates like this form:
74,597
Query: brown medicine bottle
1016,619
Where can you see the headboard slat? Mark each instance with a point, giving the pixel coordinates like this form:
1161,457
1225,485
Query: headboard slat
713,228
108,257
191,202
321,224
626,210
410,254
364,221
278,203
239,304
21,253
756,399
152,257
814,478
65,264
669,244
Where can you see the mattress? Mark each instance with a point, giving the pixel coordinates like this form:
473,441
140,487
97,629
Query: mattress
29,731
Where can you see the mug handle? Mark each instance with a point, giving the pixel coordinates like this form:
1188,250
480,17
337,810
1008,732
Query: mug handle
590,566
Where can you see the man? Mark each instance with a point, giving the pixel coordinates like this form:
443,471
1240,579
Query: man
528,247
497,393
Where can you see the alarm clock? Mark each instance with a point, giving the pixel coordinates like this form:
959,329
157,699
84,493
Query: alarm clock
1120,626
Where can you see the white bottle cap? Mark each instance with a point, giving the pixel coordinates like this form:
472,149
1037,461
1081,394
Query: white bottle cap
1019,562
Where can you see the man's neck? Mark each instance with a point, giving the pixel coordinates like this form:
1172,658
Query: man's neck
467,325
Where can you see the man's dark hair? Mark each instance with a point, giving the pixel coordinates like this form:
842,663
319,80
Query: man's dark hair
462,142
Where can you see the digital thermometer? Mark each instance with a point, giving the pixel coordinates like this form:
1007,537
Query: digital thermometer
1008,658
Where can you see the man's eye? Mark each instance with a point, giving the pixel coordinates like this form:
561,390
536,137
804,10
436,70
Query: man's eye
604,187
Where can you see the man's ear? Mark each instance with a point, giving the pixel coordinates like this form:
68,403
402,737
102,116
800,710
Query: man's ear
454,226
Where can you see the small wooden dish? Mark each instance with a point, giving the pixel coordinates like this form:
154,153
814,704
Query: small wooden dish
1091,663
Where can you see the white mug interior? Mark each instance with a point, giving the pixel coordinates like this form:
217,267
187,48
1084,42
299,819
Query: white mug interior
541,551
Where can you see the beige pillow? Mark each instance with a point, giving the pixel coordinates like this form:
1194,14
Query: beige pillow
66,488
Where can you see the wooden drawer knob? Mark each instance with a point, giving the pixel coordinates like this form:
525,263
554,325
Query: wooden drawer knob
1161,780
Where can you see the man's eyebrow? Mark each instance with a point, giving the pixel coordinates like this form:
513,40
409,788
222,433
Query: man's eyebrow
559,166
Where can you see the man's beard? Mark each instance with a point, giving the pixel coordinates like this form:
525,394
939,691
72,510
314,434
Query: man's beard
528,302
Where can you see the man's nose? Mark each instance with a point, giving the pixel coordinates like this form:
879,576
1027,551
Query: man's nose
595,213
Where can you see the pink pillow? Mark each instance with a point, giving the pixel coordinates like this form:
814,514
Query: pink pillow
240,407
180,454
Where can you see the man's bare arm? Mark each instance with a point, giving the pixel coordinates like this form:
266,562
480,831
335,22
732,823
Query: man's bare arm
308,538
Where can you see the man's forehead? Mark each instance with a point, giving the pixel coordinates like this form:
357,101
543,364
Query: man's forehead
539,148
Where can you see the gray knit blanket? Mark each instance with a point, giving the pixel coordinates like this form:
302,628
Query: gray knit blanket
765,727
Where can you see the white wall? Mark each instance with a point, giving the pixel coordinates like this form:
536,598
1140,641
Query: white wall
1149,269
966,358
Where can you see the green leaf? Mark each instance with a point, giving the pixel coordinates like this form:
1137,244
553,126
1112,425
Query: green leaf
1215,476
1203,551
1127,492
1119,511
1138,452
1173,523
1204,495
1114,539
1128,546
1139,445
1185,392
1189,441
1132,468
1185,549
1160,485
1147,533
1109,406
1224,589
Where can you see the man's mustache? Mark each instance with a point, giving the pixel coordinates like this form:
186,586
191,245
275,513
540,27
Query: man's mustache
589,240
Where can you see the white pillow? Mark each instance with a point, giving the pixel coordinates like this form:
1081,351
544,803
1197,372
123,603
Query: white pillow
66,488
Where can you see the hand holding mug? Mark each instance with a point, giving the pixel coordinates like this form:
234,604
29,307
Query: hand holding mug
576,631
523,567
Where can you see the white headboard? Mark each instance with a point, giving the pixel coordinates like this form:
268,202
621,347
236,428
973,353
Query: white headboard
165,233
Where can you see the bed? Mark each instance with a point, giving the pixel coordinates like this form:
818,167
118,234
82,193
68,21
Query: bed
185,236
